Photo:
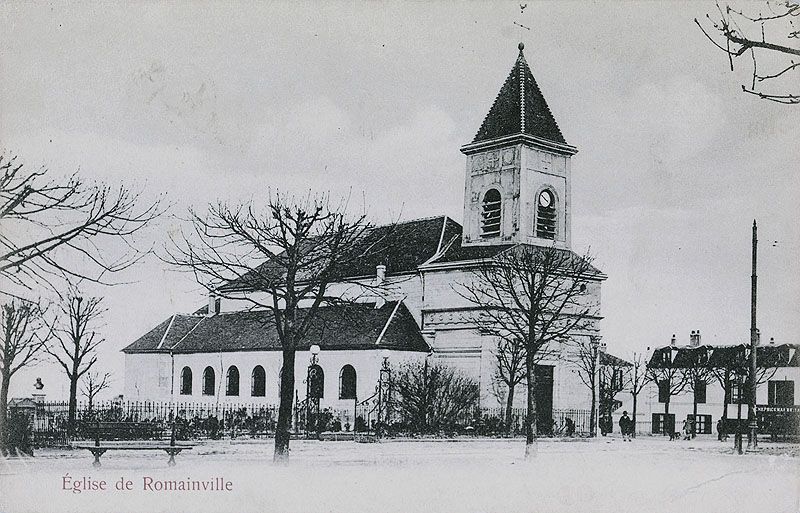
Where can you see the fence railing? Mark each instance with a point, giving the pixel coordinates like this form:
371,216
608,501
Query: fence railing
232,420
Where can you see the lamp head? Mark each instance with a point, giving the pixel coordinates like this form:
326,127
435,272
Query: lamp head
315,349
385,354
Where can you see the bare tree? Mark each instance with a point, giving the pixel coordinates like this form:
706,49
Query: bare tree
614,377
508,373
724,376
47,221
698,376
728,363
433,397
770,36
585,362
92,384
23,341
638,380
537,296
76,341
670,379
292,253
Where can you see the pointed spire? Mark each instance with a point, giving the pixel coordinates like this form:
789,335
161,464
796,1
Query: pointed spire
520,108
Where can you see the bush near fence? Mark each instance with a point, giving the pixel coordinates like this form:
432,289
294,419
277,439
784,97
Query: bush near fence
232,420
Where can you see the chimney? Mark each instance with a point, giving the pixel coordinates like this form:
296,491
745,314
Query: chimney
694,338
772,341
380,274
214,304
603,347
673,341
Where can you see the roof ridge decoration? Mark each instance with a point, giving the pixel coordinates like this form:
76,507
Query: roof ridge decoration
166,331
176,344
520,108
388,321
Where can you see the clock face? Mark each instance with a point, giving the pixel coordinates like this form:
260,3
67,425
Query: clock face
546,199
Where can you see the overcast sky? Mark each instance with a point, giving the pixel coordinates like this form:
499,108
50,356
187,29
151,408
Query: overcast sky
208,101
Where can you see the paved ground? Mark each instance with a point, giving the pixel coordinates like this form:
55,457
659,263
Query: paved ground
649,474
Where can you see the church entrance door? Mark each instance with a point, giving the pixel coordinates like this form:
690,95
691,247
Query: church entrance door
544,399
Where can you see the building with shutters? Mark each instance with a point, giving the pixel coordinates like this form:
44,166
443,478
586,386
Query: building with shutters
719,391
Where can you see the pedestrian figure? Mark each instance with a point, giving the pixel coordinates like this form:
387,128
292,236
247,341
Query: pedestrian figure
722,436
570,426
687,430
625,427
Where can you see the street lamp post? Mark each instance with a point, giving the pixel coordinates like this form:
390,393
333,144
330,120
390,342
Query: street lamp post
384,392
312,391
595,341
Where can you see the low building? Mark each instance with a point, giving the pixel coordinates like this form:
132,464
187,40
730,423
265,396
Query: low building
718,390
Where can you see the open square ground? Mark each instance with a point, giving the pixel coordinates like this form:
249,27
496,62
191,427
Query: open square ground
474,475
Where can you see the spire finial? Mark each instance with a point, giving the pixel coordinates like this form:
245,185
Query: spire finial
521,47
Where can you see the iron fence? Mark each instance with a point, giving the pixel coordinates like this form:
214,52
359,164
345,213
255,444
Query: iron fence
232,420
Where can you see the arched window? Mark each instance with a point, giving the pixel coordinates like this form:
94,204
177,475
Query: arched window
546,215
186,381
316,382
208,381
232,381
490,215
347,383
258,385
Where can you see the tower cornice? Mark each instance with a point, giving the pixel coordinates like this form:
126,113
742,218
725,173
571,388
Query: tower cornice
530,140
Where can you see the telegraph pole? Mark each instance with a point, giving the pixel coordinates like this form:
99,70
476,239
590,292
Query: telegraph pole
752,443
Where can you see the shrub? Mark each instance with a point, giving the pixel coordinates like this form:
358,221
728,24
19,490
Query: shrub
433,397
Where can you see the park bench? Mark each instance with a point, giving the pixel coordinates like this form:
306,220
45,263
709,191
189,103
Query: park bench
125,430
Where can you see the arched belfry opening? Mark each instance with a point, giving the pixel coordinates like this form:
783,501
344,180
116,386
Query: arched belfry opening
491,214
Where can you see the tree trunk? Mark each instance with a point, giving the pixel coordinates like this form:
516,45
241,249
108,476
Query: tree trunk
510,410
73,405
633,419
593,417
530,419
694,417
725,400
281,454
6,380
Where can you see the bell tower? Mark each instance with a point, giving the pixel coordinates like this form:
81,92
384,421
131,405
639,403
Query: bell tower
518,170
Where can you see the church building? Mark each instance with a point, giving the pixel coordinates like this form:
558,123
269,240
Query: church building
517,191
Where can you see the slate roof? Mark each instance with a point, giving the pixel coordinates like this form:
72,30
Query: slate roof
721,356
610,359
342,327
401,247
520,108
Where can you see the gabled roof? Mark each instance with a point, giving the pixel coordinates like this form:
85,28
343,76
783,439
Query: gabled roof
401,247
520,108
613,361
352,326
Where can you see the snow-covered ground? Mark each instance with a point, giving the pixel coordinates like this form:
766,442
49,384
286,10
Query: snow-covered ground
646,475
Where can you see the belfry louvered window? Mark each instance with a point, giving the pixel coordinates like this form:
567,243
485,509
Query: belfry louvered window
546,215
490,215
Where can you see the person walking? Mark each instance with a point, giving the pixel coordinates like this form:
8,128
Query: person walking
625,426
